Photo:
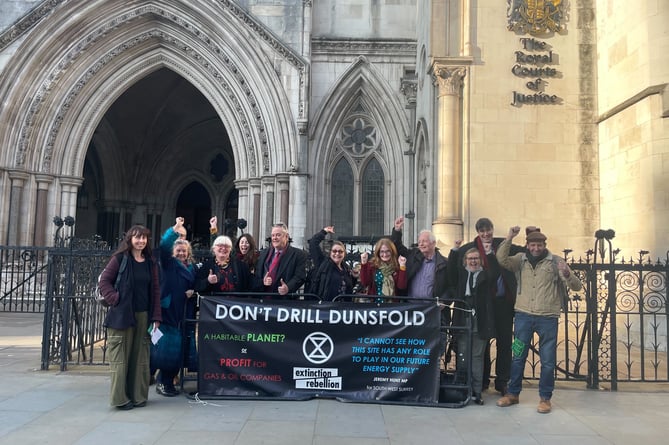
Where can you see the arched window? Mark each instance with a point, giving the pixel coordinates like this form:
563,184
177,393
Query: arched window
342,197
357,187
372,202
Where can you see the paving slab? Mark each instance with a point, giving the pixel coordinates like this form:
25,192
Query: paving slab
53,407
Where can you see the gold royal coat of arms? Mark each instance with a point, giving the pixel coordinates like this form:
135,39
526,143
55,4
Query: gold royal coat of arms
536,17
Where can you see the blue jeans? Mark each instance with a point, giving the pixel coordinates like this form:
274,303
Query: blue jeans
525,326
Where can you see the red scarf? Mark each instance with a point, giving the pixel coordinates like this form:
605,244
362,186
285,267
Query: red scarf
484,257
484,261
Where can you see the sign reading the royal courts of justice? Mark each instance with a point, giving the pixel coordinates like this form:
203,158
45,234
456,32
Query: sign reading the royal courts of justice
301,350
536,60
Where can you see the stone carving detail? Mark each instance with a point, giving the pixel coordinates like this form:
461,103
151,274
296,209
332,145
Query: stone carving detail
277,45
449,79
536,17
68,59
293,58
407,48
409,87
52,78
359,137
27,22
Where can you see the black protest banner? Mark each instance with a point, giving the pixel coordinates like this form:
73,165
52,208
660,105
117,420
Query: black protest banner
299,349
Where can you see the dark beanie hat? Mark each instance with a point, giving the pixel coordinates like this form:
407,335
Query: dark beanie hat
533,234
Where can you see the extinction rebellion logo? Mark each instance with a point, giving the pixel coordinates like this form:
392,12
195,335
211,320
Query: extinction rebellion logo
317,347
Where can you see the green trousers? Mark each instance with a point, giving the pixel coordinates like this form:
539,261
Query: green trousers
129,362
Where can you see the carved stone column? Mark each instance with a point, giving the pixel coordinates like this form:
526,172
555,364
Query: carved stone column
283,193
409,88
298,209
449,81
268,188
68,195
254,216
243,210
18,179
42,220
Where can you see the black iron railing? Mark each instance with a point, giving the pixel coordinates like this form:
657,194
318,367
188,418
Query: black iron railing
614,330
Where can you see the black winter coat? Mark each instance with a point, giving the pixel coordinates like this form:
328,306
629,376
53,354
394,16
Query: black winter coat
326,277
456,267
481,302
241,276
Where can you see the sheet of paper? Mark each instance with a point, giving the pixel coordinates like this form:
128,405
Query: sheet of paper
155,335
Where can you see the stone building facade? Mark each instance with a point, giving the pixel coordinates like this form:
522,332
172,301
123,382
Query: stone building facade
544,112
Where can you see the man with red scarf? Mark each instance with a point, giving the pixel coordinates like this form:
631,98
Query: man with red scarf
503,294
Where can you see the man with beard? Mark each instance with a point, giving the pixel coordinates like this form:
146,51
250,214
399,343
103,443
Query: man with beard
538,305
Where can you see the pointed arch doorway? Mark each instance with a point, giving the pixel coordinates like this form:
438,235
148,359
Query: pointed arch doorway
159,152
105,92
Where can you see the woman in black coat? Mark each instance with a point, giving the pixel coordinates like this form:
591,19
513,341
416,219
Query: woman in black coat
223,272
474,292
331,276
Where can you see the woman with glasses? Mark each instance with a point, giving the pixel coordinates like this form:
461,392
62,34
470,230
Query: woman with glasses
223,272
384,274
332,276
473,308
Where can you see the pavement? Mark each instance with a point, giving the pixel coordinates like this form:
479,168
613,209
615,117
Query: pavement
53,407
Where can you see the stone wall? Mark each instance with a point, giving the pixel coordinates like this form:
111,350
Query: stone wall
12,10
633,69
528,154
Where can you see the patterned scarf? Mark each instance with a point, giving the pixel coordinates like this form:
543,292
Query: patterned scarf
384,280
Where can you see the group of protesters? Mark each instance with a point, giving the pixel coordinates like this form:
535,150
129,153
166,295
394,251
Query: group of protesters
498,289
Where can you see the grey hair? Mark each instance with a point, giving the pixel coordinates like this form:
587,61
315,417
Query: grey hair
430,235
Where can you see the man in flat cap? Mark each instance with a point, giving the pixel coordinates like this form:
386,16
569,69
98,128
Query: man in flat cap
538,303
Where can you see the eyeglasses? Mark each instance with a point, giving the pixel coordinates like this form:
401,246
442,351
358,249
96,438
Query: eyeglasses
337,251
473,258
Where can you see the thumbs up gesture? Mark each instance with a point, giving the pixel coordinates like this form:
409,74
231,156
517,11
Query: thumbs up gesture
212,278
283,287
267,280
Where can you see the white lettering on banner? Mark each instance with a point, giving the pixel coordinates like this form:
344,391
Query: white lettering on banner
375,317
238,312
296,315
381,317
